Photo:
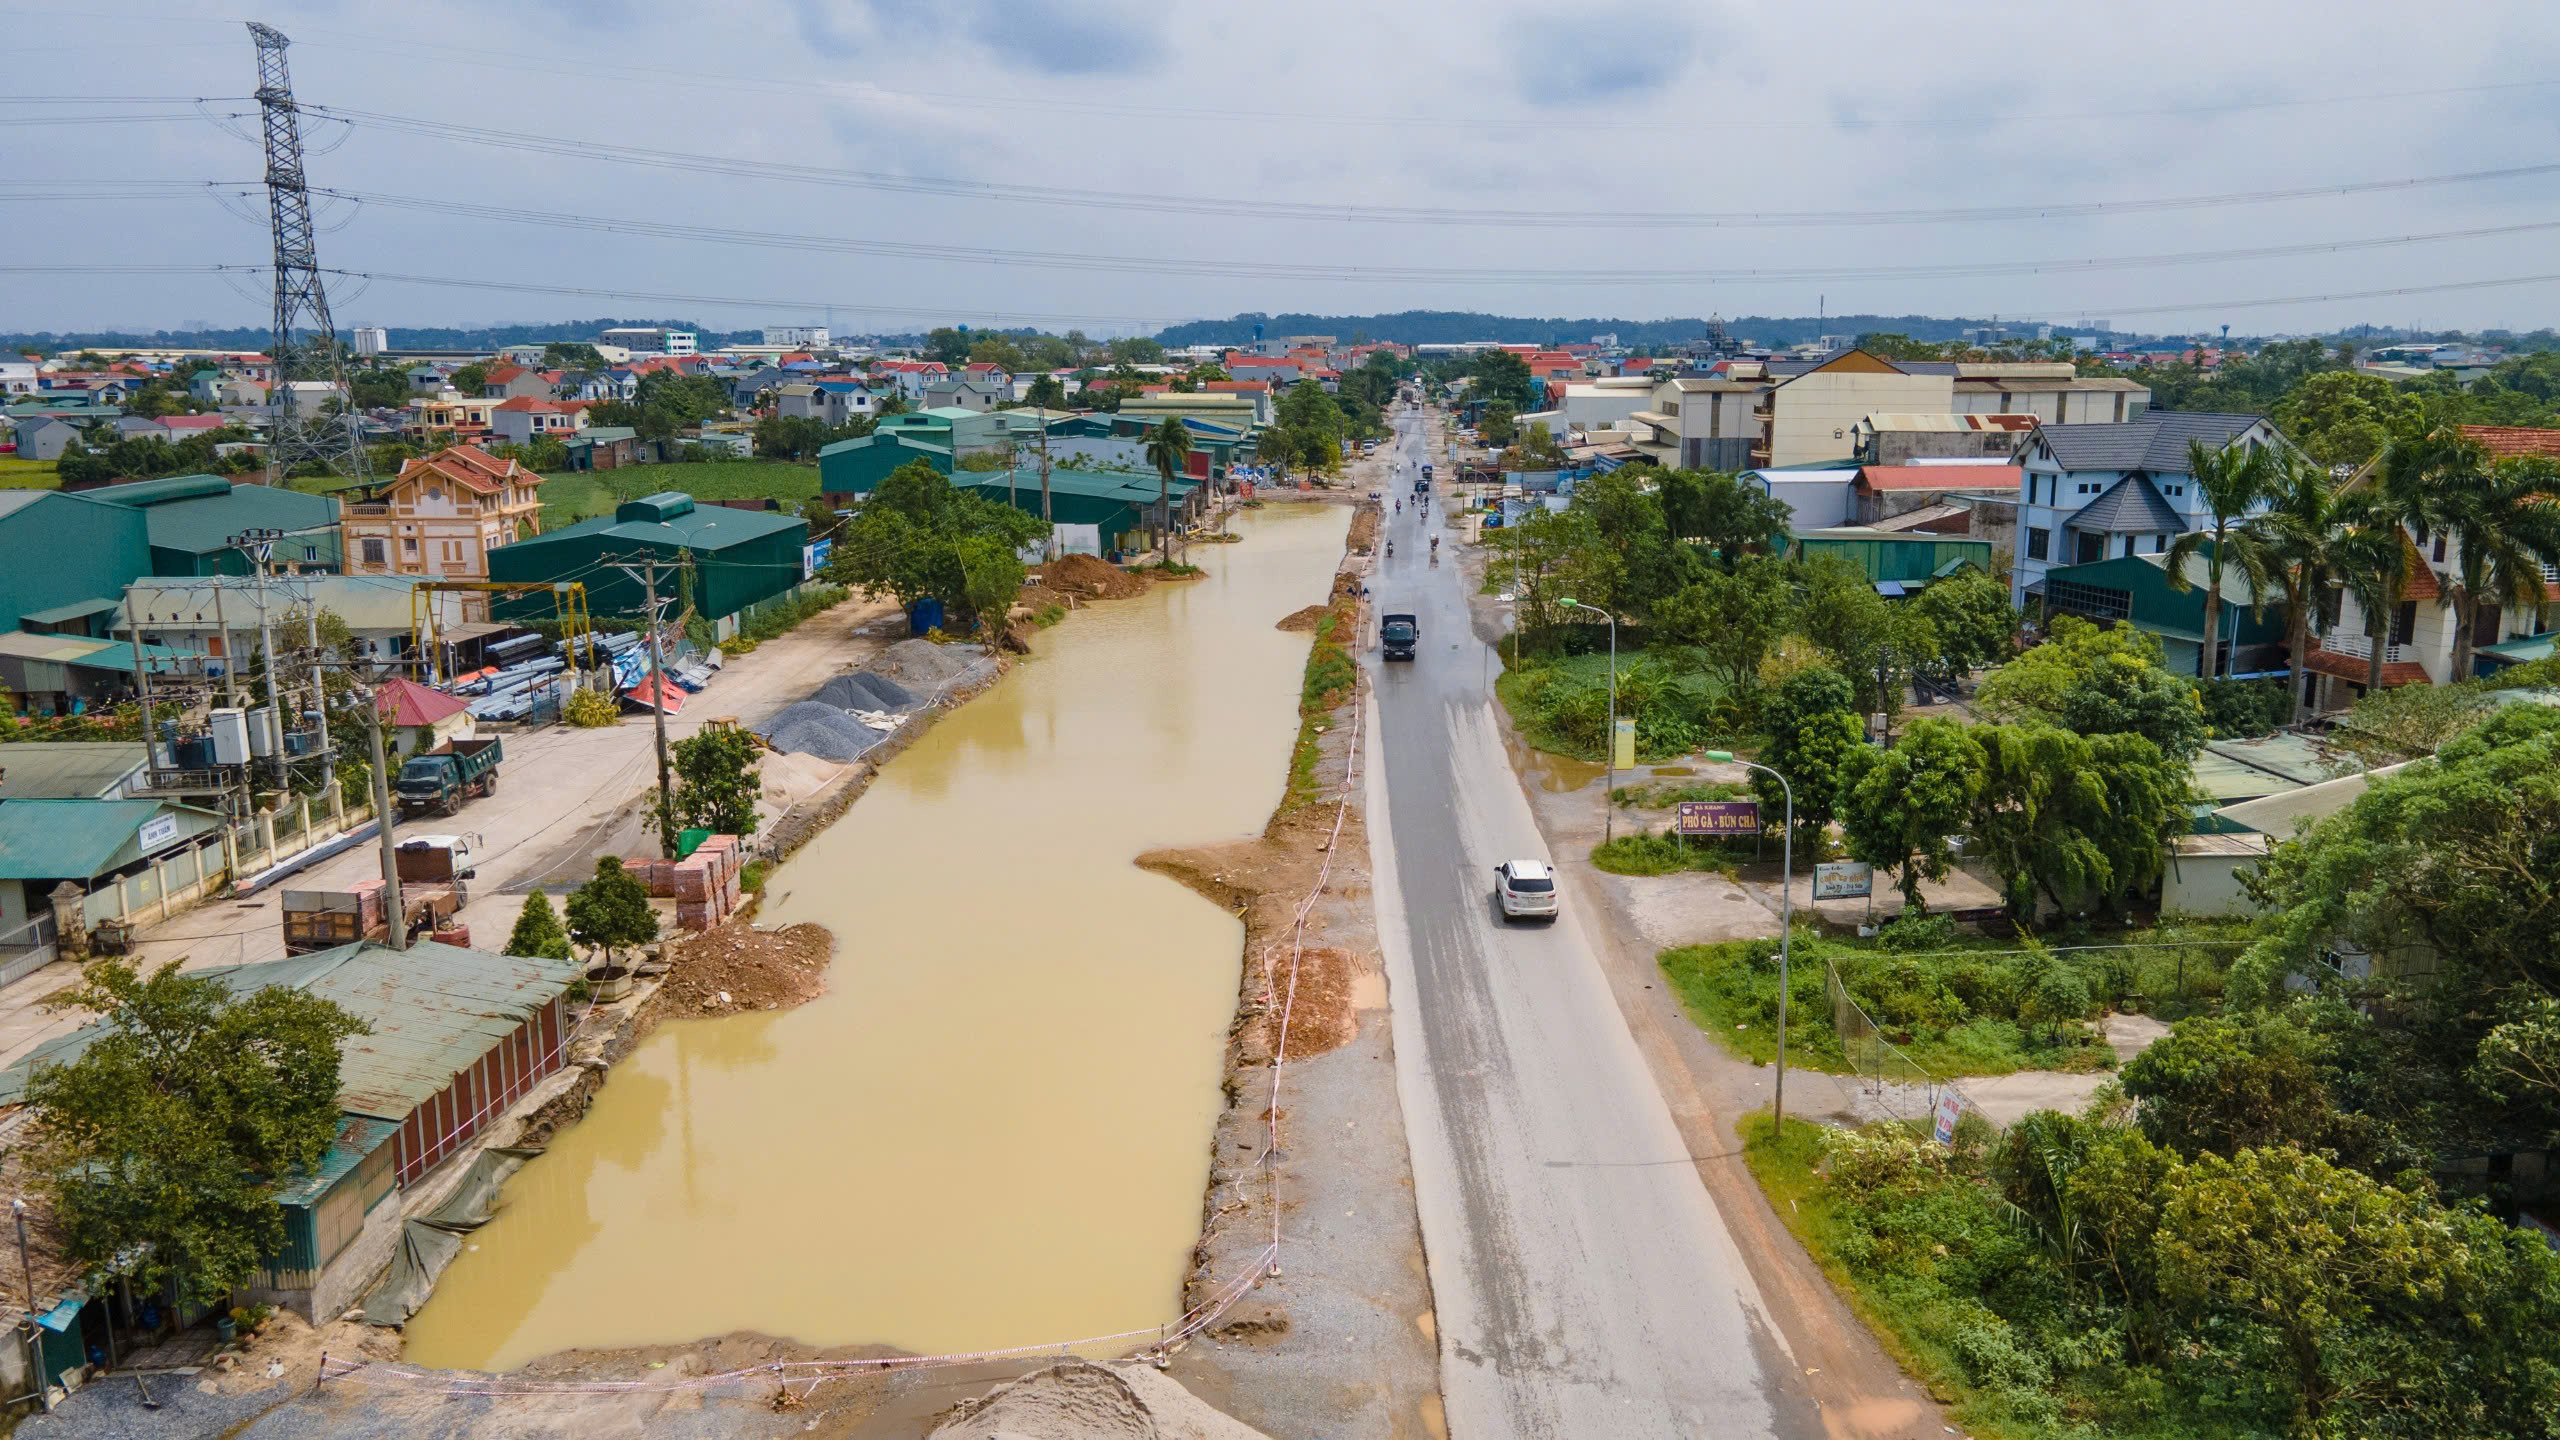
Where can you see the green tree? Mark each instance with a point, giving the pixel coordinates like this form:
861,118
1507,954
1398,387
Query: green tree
717,781
1503,376
1500,425
947,345
1809,729
2420,469
379,388
471,378
1045,392
2223,1084
1903,808
1724,513
611,911
2097,681
569,355
917,536
998,350
2297,534
2341,417
2502,523
1536,450
538,934
1973,619
2374,1310
1168,449
2232,481
2076,820
167,1138
1733,619
1873,641
1136,350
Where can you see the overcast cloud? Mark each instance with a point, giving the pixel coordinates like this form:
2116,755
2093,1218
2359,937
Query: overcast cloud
1603,109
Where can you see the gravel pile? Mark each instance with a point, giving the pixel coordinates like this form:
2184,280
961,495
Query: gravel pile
812,728
860,691
926,668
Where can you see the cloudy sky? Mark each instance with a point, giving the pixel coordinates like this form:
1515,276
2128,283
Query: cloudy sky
1119,166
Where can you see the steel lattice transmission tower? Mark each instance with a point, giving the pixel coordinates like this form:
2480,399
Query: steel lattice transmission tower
293,436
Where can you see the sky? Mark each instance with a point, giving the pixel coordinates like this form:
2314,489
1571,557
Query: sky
1119,166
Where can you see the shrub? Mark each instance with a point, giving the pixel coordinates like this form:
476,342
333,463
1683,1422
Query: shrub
2244,709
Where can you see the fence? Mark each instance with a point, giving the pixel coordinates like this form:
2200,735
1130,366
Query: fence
1894,1083
27,949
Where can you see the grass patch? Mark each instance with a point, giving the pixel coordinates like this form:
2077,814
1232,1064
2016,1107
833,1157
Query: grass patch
1643,853
1049,615
751,877
17,474
1654,795
776,618
574,495
1561,704
1330,675
1168,569
1957,1005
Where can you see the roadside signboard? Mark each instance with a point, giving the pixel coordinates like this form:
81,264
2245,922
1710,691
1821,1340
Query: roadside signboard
1717,818
1844,880
157,831
813,557
1623,743
1948,1109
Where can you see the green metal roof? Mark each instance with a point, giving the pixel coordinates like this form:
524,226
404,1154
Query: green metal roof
709,527
434,1011
2532,647
80,838
76,610
2226,781
2289,757
358,1136
66,769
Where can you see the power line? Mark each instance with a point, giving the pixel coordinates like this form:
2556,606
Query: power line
1380,214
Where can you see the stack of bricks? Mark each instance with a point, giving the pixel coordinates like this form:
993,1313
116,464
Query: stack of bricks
659,875
706,884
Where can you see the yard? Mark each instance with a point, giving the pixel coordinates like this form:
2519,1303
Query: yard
1953,1004
1561,704
17,474
571,496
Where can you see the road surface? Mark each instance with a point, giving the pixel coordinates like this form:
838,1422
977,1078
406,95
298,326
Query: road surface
1584,1282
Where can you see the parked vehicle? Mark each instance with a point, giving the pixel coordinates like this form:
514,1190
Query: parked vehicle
434,860
439,780
1526,888
1397,635
326,919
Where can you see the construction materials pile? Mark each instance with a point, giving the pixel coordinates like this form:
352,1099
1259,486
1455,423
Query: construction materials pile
1089,576
813,727
737,967
705,885
849,714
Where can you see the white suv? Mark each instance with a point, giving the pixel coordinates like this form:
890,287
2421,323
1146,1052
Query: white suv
1526,888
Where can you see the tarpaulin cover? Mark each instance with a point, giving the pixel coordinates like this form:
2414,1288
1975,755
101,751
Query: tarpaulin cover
429,1242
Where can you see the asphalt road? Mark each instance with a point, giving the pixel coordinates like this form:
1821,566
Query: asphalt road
1583,1280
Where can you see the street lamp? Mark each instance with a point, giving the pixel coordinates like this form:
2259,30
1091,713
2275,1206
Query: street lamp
1786,918
1608,802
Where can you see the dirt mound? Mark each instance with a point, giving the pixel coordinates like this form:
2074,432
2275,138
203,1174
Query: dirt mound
1087,575
737,968
1078,1400
1320,1014
1302,619
1365,520
926,670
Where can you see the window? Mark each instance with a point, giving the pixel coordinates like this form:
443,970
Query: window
2404,625
373,552
310,553
2092,549
2097,602
2039,543
2159,544
2128,545
2439,552
409,545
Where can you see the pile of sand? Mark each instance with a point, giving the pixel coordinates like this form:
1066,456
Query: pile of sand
737,967
1305,619
1086,575
1078,1400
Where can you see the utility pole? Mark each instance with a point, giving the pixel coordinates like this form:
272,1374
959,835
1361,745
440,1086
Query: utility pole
334,440
647,575
142,682
399,913
256,546
35,1337
230,662
1048,542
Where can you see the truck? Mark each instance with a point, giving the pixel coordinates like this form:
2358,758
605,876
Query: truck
439,780
326,919
1397,634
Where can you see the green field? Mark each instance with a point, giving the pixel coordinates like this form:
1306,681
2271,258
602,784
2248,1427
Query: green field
17,474
571,496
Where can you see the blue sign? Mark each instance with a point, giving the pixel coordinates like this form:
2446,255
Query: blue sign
813,557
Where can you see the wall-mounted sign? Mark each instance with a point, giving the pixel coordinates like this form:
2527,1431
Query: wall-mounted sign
157,831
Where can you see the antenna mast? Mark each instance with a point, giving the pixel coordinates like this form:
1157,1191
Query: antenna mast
335,440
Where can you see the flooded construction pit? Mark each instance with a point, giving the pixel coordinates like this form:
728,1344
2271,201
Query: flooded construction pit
993,1128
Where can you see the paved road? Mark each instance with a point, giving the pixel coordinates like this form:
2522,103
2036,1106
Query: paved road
1584,1282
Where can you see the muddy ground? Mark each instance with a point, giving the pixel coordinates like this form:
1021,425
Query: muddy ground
735,968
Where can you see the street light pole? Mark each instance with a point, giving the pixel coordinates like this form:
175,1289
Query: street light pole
35,1337
1608,799
1786,919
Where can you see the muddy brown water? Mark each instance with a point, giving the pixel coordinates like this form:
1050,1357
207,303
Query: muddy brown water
993,1128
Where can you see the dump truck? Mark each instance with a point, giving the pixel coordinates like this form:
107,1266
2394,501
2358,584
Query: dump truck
1397,634
439,780
326,919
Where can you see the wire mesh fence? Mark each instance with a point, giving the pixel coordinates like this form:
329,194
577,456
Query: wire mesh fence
1891,1085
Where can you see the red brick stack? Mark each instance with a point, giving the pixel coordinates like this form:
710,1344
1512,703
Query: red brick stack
706,883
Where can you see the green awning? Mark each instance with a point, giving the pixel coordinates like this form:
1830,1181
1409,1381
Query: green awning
77,610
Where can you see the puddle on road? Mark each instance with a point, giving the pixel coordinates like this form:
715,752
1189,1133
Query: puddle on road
993,1128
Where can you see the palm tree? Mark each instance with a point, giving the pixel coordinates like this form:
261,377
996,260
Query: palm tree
2373,556
1168,446
2502,524
2231,481
2414,483
2298,534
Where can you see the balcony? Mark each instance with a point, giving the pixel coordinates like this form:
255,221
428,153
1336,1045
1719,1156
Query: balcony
2361,648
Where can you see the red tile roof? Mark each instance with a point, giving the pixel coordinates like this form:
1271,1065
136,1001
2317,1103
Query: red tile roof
2355,668
501,374
406,702
193,422
1237,387
470,467
1939,477
2504,442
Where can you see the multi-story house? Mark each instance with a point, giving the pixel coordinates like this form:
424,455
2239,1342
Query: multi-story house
442,515
519,420
2098,491
465,417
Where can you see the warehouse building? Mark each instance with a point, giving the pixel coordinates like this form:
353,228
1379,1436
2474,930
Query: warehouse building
733,559
1096,512
95,542
456,1037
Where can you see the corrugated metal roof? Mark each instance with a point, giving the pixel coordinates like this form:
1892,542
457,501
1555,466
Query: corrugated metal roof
66,769
76,839
358,1136
2156,440
2278,814
434,1010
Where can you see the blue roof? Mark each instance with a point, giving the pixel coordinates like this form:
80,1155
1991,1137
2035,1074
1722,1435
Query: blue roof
358,1136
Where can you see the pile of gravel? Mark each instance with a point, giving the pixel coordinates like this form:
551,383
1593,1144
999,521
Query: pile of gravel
812,728
925,668
860,691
